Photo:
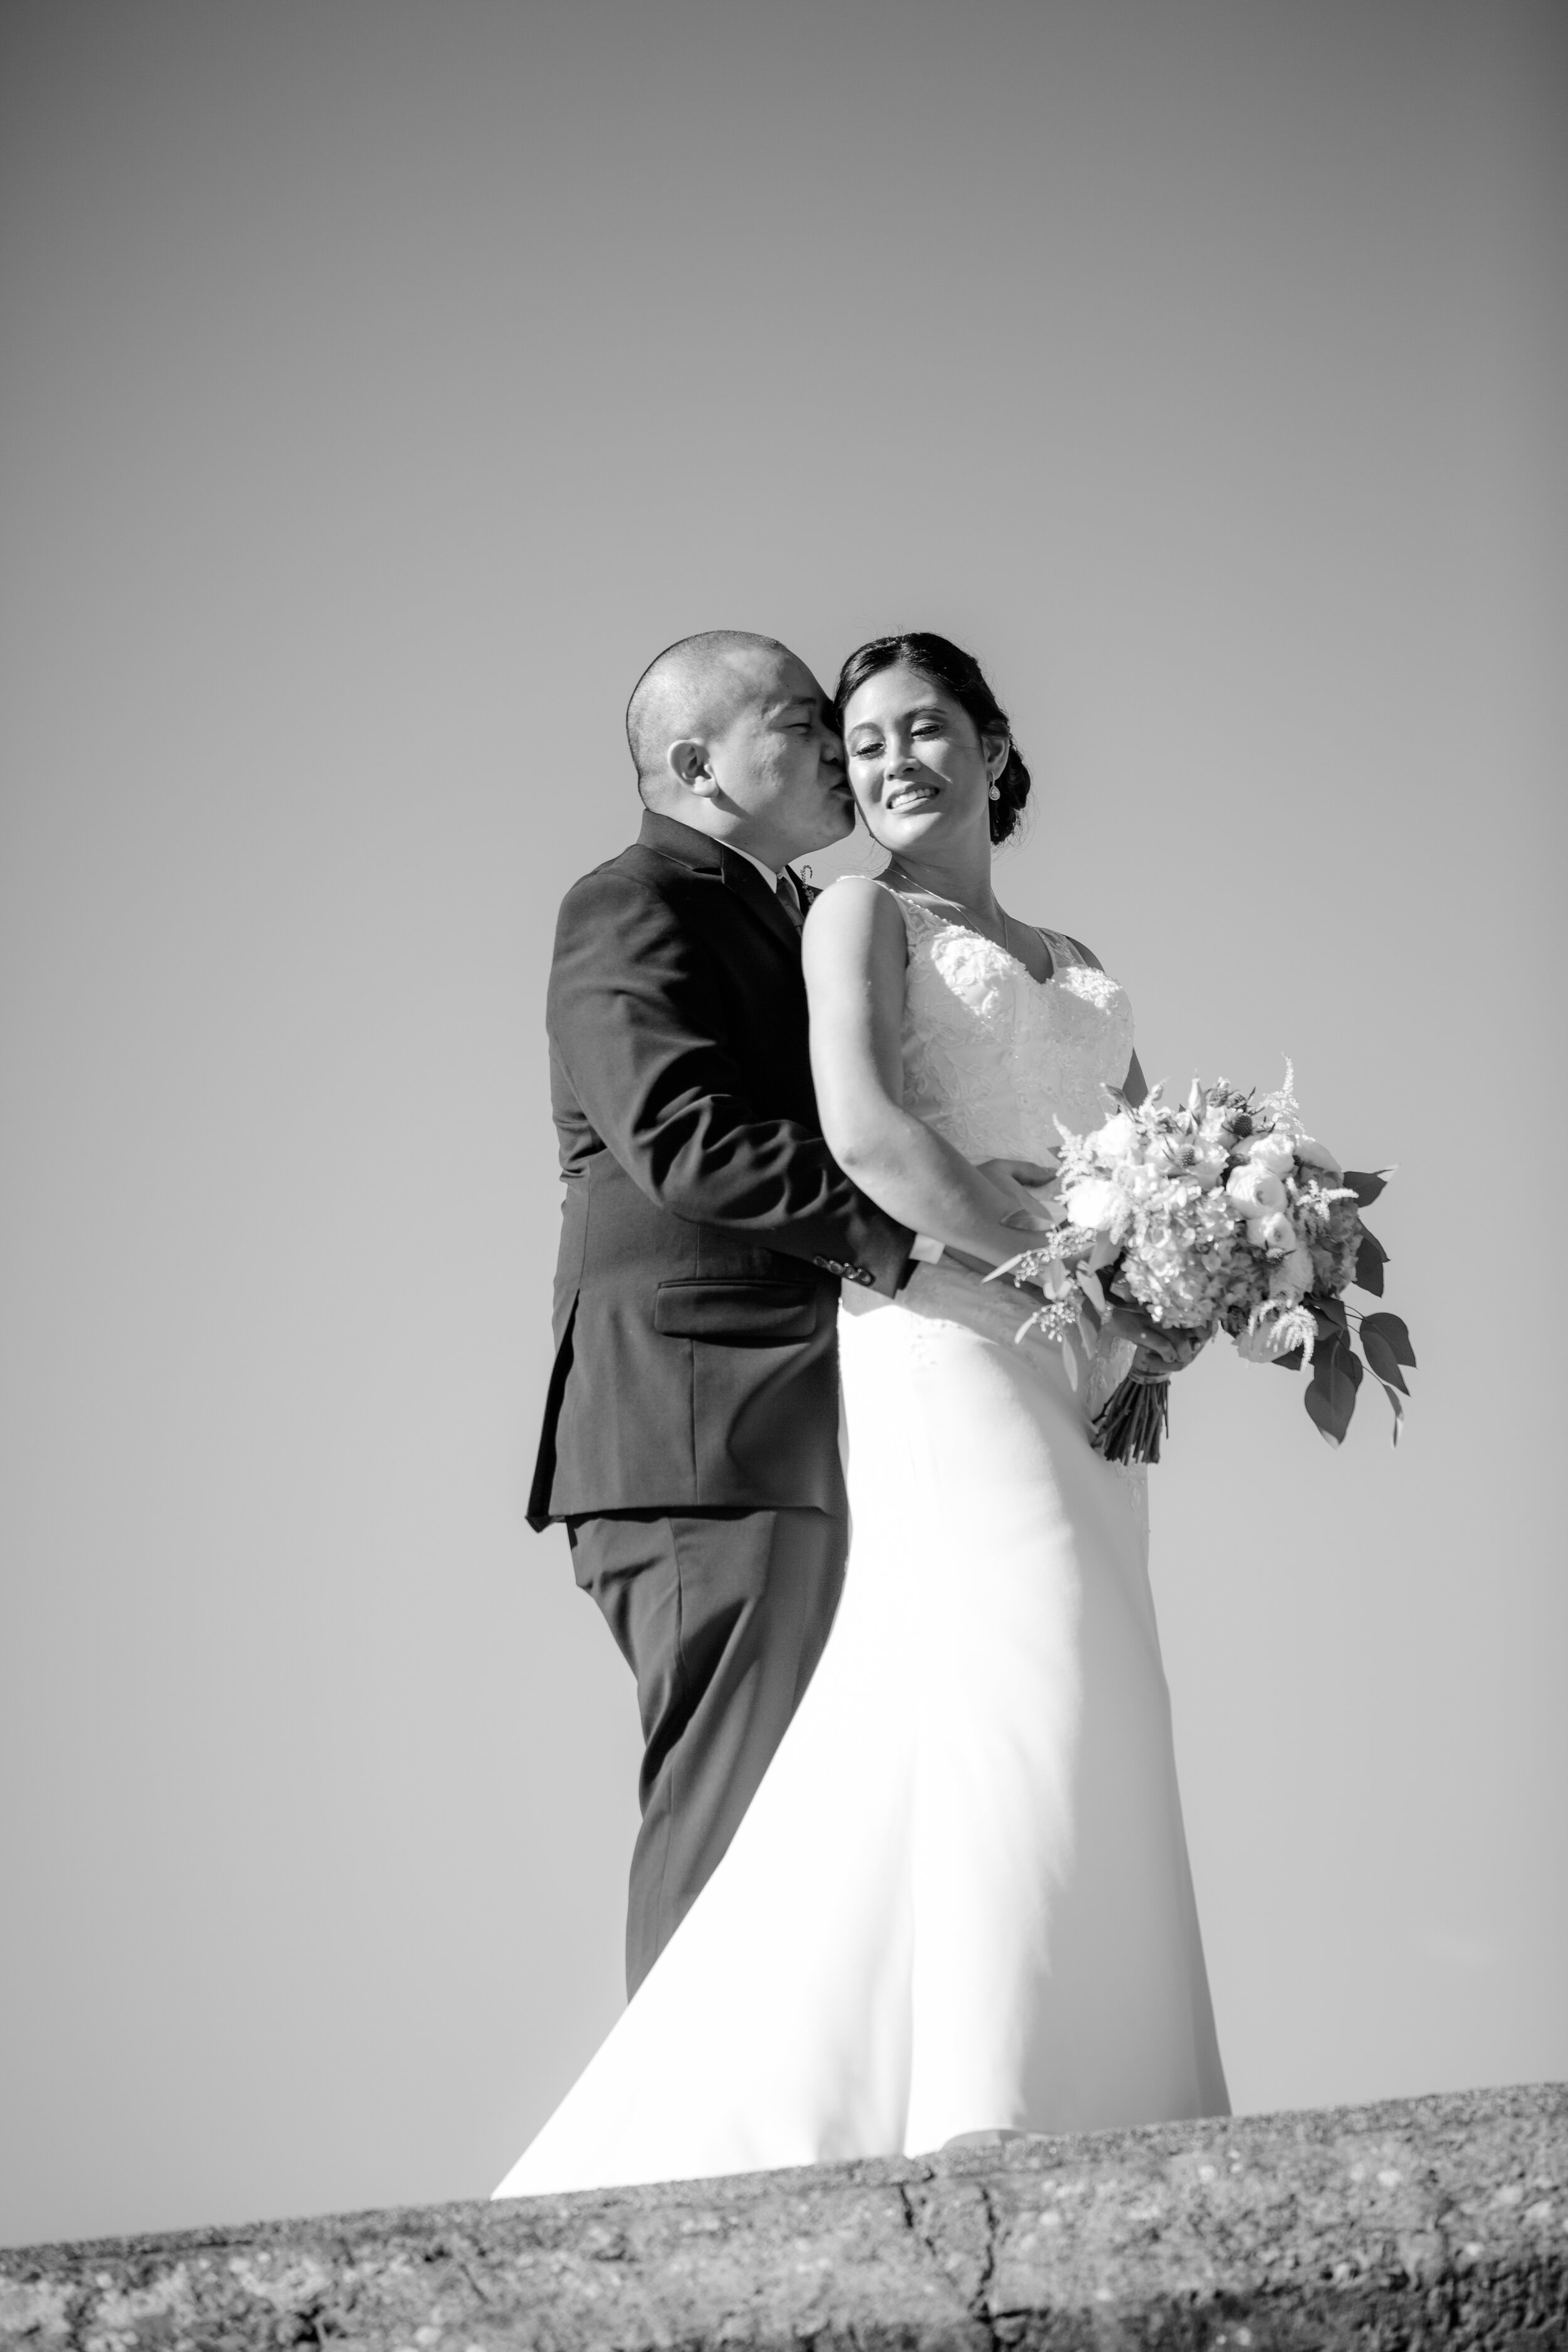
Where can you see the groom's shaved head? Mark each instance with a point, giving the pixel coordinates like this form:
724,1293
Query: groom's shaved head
731,736
692,690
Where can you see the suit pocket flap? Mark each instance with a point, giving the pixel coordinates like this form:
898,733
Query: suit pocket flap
754,1314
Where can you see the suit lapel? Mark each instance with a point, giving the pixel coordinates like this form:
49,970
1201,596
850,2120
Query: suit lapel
681,842
706,856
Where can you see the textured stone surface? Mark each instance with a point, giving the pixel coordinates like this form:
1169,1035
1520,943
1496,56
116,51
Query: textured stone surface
1419,2222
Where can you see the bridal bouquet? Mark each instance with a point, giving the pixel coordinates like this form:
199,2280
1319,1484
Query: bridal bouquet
1222,1215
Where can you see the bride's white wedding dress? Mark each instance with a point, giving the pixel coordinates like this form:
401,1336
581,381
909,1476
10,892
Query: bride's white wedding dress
961,1898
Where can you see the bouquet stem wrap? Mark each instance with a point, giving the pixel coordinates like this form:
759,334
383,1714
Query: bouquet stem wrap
1129,1426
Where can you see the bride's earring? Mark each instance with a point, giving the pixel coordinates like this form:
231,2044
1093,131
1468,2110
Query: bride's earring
996,791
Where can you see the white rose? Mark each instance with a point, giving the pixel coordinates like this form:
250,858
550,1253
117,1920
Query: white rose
1274,1233
1117,1139
1318,1155
1274,1153
1095,1203
1254,1191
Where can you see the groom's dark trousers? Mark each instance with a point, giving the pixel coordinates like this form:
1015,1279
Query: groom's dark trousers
691,1437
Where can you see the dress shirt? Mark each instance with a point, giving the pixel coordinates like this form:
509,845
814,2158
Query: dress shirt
767,872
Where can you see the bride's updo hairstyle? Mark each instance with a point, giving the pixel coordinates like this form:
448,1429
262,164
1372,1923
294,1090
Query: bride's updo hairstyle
960,676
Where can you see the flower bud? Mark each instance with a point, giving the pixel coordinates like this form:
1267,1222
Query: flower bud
1296,1267
1318,1155
1254,1191
1274,1152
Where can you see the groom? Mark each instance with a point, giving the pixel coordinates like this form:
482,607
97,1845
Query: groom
690,1438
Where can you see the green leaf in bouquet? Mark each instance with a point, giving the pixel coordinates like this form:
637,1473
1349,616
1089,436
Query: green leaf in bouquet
1291,1361
1330,1315
1371,1257
1380,1354
1088,1283
1394,1398
1390,1329
1331,1391
1366,1187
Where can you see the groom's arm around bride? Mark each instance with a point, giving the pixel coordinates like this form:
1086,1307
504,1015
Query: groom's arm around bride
690,1428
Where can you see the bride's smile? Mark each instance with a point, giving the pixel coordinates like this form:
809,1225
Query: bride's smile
905,796
918,766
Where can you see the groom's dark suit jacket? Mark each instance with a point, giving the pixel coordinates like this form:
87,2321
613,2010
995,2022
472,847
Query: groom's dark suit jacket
705,1225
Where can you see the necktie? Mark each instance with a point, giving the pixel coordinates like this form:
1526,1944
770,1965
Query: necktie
789,899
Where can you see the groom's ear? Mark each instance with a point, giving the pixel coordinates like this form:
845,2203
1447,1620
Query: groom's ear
690,766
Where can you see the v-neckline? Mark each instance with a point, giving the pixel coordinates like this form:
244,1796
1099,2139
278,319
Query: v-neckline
968,932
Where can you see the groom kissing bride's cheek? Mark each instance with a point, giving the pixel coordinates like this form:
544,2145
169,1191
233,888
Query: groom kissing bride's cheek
911,1864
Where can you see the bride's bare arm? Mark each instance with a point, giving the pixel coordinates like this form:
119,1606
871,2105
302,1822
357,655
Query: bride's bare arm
855,955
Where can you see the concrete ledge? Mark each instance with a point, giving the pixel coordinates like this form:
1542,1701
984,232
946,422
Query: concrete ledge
1418,2222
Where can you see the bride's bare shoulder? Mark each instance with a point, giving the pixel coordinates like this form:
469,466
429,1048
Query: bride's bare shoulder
856,920
855,905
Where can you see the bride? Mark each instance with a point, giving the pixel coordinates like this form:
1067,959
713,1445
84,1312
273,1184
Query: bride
960,1902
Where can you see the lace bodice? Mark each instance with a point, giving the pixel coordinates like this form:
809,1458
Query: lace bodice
994,1058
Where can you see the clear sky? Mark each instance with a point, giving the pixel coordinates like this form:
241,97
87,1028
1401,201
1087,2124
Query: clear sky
380,387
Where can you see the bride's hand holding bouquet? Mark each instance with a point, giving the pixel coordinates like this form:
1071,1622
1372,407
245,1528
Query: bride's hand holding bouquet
1219,1214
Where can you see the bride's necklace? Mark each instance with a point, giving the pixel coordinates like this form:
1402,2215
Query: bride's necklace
971,921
